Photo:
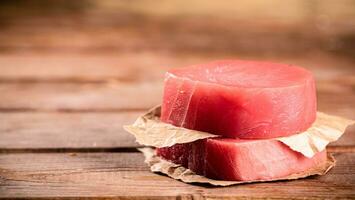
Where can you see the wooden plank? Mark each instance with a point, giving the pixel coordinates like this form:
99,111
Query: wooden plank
337,96
133,26
82,97
75,131
124,30
143,66
62,67
334,96
125,176
348,139
66,130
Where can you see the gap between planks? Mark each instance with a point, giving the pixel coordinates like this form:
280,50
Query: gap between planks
71,110
71,150
330,149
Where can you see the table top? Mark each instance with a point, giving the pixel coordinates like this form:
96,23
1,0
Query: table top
69,84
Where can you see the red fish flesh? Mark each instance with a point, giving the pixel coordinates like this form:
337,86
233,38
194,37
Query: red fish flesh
240,160
240,99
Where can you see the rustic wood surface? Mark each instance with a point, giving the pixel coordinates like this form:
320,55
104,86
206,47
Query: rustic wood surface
72,74
124,175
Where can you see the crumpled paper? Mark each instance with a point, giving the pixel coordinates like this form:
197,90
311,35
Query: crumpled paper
179,172
150,131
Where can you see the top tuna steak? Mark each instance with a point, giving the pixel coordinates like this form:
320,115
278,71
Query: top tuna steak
240,99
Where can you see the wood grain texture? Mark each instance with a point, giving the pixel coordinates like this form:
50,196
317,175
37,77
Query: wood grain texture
73,72
80,97
123,67
91,131
334,97
66,130
296,28
146,65
124,175
121,30
82,82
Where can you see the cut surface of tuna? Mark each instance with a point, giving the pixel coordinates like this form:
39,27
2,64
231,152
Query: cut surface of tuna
240,160
240,99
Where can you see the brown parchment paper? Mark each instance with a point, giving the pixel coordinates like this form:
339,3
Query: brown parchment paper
179,172
150,131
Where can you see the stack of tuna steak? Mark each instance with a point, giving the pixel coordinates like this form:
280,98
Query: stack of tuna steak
248,104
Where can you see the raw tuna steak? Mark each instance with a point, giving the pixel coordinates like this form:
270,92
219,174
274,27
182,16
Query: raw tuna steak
240,160
240,99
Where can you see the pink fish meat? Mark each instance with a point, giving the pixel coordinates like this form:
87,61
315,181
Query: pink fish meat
240,99
240,160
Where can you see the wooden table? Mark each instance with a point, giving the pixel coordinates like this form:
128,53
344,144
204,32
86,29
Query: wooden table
68,86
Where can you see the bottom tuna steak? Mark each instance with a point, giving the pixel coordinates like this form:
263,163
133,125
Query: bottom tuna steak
240,160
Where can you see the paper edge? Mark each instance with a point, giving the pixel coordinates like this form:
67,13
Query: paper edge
155,113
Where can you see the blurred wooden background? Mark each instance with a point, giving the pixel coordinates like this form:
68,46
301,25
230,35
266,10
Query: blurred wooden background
134,42
73,72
